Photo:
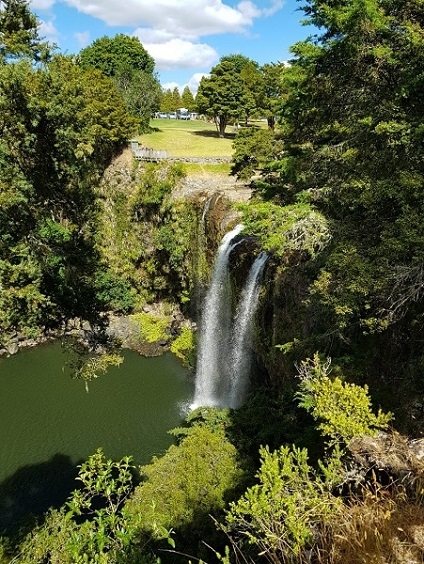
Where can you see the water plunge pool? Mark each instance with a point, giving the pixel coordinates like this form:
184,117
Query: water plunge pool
49,423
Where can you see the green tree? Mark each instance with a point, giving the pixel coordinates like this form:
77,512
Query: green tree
342,410
124,59
351,123
19,32
166,103
271,97
113,55
60,126
192,481
253,85
141,93
222,95
253,149
176,99
187,99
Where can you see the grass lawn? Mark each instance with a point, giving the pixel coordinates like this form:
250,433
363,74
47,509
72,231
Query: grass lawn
187,138
194,169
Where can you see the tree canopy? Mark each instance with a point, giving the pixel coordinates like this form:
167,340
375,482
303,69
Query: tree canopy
60,127
187,99
223,95
124,59
113,55
350,124
19,32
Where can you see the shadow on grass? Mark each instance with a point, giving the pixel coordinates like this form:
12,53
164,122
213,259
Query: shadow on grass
210,134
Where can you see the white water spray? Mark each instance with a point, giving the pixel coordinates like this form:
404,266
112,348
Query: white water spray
215,331
206,207
241,354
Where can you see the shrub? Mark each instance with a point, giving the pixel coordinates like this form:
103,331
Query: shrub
290,228
152,327
191,481
114,293
281,517
343,410
184,346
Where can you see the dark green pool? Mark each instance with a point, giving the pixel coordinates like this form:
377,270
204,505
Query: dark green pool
49,423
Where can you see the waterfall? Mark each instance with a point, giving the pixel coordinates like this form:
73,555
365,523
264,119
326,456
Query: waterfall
241,357
206,207
215,331
200,260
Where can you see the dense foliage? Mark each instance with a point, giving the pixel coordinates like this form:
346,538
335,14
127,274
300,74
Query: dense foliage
351,126
145,237
338,203
124,59
60,127
112,55
223,95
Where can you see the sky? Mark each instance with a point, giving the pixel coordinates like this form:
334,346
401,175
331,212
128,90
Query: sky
186,38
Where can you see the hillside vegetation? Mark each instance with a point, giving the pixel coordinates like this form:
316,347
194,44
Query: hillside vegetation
324,462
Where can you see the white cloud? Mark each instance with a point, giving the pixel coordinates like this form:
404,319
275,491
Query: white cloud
149,35
170,30
42,4
276,5
191,18
193,83
47,30
172,85
179,53
249,10
83,38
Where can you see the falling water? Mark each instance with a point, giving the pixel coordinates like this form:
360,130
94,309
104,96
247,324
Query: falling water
215,331
200,265
205,211
241,356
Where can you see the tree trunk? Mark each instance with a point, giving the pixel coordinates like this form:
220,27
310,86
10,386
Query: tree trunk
222,125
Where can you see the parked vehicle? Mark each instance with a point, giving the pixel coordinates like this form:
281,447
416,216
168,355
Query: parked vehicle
163,115
183,113
172,115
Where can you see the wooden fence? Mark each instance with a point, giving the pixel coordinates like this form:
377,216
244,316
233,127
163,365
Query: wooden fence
146,154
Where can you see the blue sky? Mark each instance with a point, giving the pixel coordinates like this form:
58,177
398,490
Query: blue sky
185,37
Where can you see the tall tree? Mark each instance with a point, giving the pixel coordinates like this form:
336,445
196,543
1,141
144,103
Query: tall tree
223,95
19,31
271,96
187,99
253,85
141,93
129,65
176,99
352,126
59,127
167,103
112,55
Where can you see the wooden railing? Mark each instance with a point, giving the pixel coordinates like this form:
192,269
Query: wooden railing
146,154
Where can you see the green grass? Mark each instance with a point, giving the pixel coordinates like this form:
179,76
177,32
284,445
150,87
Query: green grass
194,169
187,139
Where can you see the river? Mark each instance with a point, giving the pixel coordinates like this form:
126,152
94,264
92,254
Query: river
49,423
